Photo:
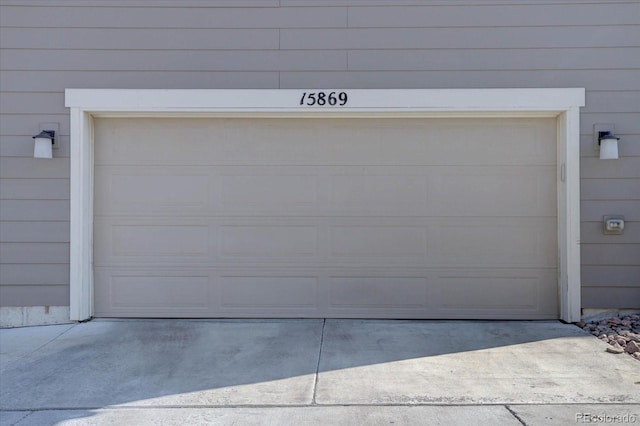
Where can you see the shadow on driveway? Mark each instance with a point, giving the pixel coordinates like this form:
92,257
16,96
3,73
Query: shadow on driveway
219,363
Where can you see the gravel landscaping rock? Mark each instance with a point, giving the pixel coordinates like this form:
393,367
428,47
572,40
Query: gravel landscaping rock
622,334
615,349
632,348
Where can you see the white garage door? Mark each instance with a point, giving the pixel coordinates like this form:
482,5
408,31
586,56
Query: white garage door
374,218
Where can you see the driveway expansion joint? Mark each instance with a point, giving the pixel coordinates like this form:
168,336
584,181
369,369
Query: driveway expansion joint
514,414
315,381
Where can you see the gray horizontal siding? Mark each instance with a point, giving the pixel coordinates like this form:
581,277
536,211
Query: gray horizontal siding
56,81
34,232
47,46
460,38
130,39
27,124
30,168
624,297
34,253
433,3
610,189
489,59
172,60
592,210
143,3
526,14
35,295
323,60
38,189
34,210
598,79
627,123
610,276
611,254
179,18
42,275
321,38
592,232
612,101
453,14
32,103
210,4
625,167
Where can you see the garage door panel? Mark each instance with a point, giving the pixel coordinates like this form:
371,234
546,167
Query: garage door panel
374,292
393,218
350,292
268,192
152,189
155,191
328,191
148,242
252,141
379,241
514,243
169,141
519,293
363,191
316,242
459,293
263,151
259,241
154,293
512,191
441,142
374,145
272,292
513,142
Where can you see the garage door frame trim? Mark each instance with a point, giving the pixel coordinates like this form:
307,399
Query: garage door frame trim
85,104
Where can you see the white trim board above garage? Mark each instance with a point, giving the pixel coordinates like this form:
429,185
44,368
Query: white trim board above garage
563,104
420,101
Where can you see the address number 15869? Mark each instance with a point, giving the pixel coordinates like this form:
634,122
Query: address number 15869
324,98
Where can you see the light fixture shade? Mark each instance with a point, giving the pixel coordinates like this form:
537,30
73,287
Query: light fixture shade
609,148
43,146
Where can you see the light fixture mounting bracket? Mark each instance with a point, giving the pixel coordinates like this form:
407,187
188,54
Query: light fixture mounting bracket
599,130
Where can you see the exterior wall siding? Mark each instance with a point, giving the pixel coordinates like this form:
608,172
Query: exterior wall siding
47,46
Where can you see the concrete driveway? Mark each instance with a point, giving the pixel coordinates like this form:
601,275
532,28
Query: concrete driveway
313,372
